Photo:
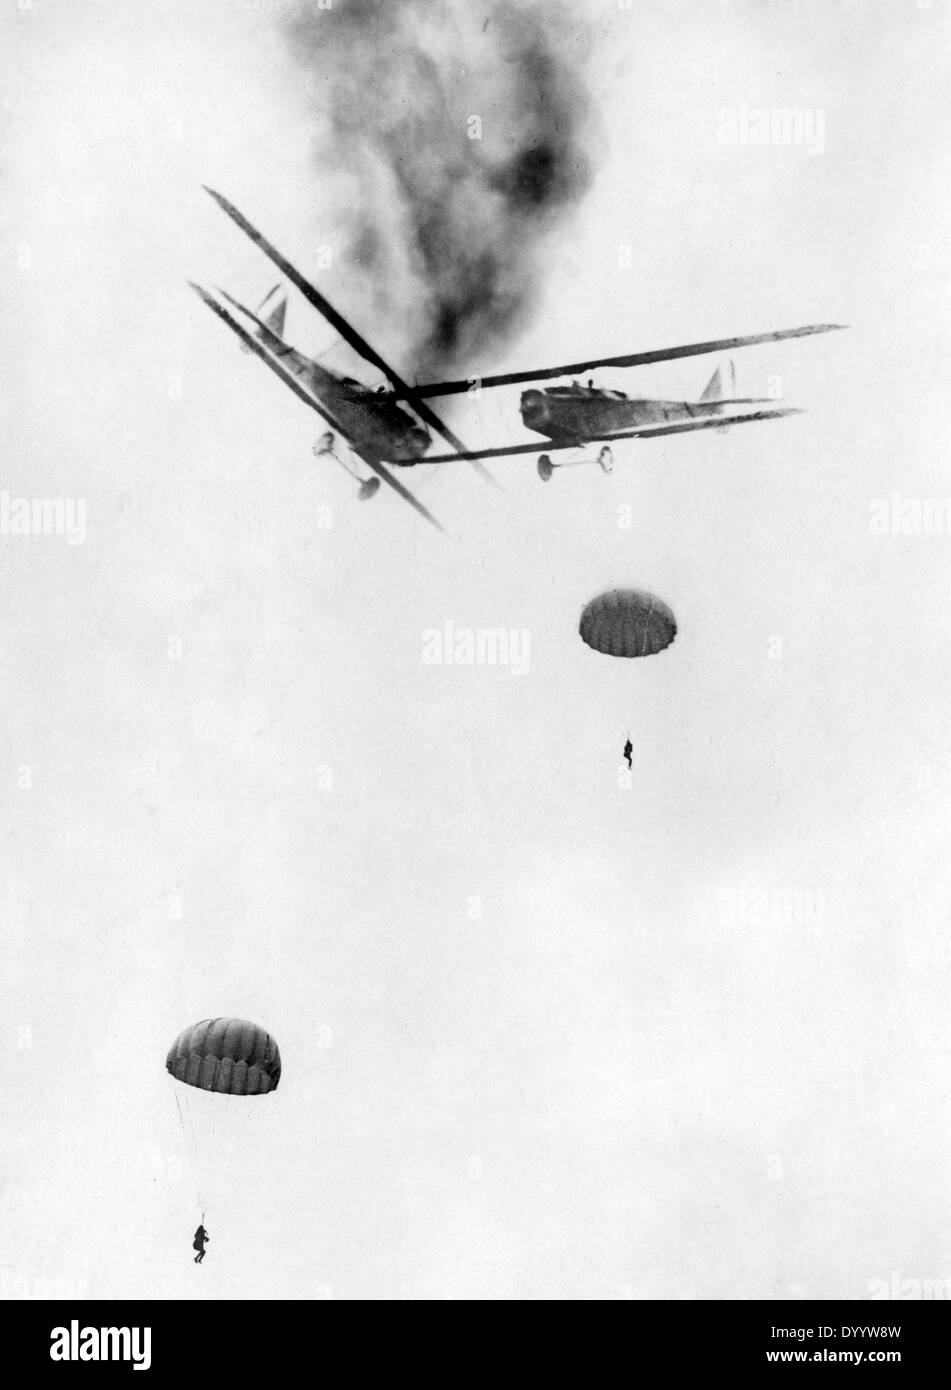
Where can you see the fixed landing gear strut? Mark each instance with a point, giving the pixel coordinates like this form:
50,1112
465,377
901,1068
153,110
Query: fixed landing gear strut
324,447
604,459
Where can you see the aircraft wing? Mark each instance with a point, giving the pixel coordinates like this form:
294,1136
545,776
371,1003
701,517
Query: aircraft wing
347,332
290,381
633,359
709,422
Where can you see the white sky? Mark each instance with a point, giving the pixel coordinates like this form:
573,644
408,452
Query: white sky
605,1086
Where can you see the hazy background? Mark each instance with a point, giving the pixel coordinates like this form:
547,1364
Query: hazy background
529,1049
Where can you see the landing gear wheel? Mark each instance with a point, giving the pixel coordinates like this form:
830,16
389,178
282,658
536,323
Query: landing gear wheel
368,488
324,445
606,460
545,467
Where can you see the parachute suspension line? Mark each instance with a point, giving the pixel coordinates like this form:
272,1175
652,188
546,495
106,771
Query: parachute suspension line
194,1132
195,1150
190,1135
194,1165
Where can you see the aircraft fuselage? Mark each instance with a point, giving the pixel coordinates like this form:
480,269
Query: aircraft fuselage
371,421
589,412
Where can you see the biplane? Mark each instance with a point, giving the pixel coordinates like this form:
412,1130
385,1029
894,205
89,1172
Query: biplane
392,426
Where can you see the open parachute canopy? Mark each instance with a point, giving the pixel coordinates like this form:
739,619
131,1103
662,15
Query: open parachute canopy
627,622
227,1055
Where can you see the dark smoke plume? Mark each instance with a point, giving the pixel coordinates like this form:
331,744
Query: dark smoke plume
452,137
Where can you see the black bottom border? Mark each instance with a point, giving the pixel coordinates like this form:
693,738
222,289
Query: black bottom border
265,1338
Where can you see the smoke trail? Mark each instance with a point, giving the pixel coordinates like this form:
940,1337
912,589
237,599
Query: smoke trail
453,138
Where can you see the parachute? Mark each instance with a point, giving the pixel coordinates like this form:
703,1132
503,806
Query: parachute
216,1065
627,622
227,1055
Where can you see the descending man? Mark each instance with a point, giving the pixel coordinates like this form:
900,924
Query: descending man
201,1236
628,750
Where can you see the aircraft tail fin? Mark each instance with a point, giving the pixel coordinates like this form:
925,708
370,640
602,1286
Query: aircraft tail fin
275,319
714,392
273,310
